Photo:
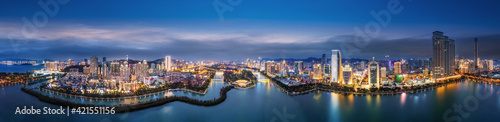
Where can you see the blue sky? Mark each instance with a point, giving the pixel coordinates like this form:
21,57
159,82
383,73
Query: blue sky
193,30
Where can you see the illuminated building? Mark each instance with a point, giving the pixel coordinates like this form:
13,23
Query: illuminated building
383,72
373,75
490,65
168,63
397,68
125,71
86,70
476,58
317,71
298,66
443,55
347,74
323,63
270,67
93,66
336,67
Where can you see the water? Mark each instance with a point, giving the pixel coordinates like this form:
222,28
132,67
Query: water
266,102
19,68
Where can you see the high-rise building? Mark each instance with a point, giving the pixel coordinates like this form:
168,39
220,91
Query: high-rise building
452,55
298,66
115,68
317,73
383,72
490,65
373,75
168,63
397,68
443,55
437,53
125,72
476,58
347,74
93,66
270,67
336,67
323,63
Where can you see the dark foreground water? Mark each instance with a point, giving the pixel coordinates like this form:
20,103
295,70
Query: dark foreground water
266,102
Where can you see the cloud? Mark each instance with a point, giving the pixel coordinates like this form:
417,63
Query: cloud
80,41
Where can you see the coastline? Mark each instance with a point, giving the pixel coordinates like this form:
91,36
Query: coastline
223,95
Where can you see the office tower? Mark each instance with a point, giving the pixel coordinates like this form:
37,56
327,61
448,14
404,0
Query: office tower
168,63
317,74
270,67
347,74
93,65
383,72
323,63
86,62
115,68
476,58
336,67
127,58
298,66
397,68
373,75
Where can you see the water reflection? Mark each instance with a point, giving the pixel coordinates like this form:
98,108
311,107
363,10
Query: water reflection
403,99
334,108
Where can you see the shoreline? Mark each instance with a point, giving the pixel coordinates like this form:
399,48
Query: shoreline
134,107
223,95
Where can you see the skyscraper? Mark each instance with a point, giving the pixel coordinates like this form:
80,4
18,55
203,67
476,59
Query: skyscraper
93,65
373,75
317,74
323,63
443,55
383,72
168,63
452,62
397,68
336,67
298,66
476,63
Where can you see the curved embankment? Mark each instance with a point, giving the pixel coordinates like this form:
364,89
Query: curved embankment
138,106
305,89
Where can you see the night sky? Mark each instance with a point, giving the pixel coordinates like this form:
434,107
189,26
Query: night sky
193,29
